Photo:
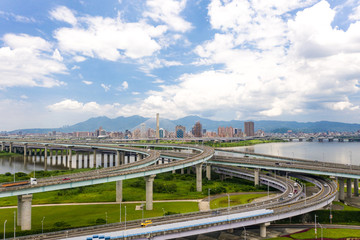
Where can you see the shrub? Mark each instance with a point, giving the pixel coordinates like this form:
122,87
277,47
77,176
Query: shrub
100,221
61,224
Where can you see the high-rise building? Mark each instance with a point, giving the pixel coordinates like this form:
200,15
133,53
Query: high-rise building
161,133
197,129
180,131
249,129
221,132
157,126
143,132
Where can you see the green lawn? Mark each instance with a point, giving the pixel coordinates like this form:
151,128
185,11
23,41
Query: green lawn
327,233
346,207
235,200
166,186
86,215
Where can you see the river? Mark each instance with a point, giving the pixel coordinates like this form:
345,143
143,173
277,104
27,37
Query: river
337,152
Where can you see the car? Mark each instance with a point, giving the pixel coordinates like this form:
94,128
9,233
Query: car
291,195
66,179
325,185
147,222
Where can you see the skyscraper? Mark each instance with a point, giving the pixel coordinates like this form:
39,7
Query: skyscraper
157,126
249,129
180,131
197,129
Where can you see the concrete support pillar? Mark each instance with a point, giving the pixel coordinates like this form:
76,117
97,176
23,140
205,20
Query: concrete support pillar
25,150
256,177
189,170
348,188
24,211
199,177
10,147
118,157
45,158
135,157
88,160
208,171
182,171
356,187
83,160
263,229
94,165
70,158
2,146
341,189
119,185
102,159
77,160
149,191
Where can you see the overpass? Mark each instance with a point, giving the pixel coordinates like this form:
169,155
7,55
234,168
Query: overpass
153,163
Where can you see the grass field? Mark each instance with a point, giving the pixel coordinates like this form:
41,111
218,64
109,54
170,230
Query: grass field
167,186
234,200
73,216
327,233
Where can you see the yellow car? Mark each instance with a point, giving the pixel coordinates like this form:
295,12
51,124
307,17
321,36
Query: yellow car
147,222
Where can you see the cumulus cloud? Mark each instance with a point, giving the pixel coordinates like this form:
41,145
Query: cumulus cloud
69,105
273,64
168,12
64,14
29,61
108,38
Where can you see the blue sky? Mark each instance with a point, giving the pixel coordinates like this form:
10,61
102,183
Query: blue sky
62,62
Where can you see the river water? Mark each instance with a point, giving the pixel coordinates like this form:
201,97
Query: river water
337,152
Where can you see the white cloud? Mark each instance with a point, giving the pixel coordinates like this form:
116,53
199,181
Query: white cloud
169,13
135,93
75,107
18,18
273,65
87,82
158,81
79,58
125,85
75,67
24,97
57,56
355,15
28,61
109,38
64,14
105,87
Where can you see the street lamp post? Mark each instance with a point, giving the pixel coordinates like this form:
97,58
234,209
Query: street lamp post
125,217
245,232
321,231
228,201
315,228
4,228
163,211
14,224
209,197
330,214
42,225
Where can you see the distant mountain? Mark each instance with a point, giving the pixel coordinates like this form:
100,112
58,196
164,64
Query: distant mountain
133,122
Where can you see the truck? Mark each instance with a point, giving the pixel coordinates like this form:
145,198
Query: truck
32,181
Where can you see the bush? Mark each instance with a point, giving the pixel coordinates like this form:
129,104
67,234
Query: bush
100,221
139,183
8,174
61,224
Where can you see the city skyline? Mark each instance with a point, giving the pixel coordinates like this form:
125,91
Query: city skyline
64,62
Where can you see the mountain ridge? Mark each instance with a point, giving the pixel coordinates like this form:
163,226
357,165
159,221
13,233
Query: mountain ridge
130,123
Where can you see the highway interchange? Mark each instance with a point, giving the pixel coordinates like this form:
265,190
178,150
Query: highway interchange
283,206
